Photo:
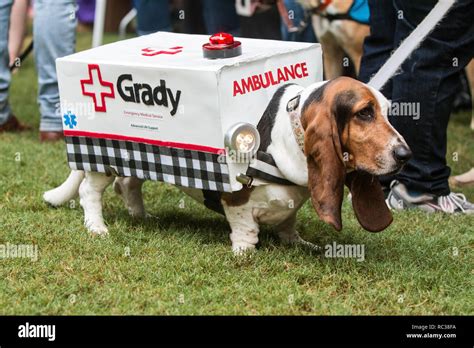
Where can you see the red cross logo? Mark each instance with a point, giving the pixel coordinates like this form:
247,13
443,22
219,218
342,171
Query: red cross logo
97,92
149,52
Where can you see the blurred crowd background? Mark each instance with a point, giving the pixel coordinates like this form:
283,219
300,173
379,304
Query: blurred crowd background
267,19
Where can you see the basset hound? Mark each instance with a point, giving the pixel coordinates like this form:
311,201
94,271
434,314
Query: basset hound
321,138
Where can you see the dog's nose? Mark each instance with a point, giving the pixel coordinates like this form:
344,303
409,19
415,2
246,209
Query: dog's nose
402,153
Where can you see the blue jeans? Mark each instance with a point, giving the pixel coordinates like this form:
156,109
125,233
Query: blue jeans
307,34
220,15
430,77
152,16
5,8
54,35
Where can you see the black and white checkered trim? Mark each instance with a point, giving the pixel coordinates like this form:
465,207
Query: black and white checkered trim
188,168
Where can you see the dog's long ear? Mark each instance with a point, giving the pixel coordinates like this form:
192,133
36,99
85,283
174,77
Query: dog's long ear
326,171
368,201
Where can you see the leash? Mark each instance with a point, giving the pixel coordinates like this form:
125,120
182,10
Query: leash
23,56
388,70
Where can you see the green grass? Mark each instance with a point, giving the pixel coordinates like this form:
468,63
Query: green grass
180,262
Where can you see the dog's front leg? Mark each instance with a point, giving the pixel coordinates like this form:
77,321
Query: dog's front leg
244,235
90,193
130,189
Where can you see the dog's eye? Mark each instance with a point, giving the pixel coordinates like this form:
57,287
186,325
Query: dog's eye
366,114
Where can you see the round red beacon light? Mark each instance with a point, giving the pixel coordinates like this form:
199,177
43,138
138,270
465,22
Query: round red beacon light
221,39
222,45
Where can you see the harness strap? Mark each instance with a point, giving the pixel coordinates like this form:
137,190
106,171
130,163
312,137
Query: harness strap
264,167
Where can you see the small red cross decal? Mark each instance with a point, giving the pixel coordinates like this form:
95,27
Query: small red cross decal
149,52
106,89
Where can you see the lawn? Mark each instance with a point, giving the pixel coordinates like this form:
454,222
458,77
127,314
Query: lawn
179,261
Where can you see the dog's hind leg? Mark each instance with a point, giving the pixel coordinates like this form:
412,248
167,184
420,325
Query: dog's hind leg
90,193
333,58
288,235
130,189
68,190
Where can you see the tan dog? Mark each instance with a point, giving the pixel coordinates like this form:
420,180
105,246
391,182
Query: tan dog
339,38
347,141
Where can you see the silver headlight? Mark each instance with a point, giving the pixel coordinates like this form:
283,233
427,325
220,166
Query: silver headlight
242,138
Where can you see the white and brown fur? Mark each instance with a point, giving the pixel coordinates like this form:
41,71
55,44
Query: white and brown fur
333,116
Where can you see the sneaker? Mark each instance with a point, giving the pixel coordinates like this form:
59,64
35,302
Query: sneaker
400,198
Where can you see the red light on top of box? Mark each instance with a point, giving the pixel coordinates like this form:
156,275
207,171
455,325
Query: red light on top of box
222,45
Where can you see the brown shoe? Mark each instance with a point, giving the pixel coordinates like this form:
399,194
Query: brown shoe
13,125
51,136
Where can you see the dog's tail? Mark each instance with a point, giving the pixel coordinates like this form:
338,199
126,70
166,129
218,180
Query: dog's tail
68,190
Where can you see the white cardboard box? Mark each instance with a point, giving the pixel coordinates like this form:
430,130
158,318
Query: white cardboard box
155,108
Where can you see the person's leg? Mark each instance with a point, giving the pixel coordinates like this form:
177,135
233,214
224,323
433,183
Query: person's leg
54,32
220,15
307,35
287,20
5,8
429,79
191,24
152,16
379,45
262,25
296,13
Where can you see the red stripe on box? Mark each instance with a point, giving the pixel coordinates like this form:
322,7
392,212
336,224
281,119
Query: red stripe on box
72,133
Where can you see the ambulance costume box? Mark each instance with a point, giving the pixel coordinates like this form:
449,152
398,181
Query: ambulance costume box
154,107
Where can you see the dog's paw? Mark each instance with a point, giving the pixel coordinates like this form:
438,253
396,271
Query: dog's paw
138,213
53,198
97,229
241,249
